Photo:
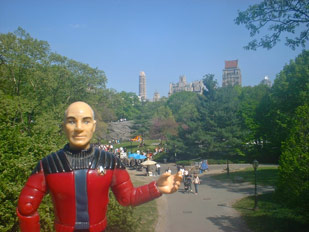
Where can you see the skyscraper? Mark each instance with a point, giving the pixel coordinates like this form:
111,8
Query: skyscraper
142,86
231,73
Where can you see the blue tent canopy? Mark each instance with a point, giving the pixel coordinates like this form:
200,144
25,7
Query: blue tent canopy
136,156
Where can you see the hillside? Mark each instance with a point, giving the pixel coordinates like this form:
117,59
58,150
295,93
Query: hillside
120,130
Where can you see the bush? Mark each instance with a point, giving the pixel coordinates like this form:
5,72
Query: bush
120,218
185,162
293,186
161,156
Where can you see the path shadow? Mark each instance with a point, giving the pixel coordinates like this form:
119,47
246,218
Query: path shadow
244,187
182,190
230,224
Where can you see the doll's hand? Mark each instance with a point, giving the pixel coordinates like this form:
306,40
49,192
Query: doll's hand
168,183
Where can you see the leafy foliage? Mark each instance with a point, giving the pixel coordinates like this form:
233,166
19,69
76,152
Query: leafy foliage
277,110
120,218
36,86
293,186
163,124
283,17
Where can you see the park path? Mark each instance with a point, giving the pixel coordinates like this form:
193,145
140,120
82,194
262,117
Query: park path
210,210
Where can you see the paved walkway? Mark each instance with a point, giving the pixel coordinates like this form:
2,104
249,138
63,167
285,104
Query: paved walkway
209,211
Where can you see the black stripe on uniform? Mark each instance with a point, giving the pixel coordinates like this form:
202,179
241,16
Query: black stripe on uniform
64,161
95,159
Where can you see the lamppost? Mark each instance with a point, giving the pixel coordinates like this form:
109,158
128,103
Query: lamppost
131,146
255,165
227,167
175,153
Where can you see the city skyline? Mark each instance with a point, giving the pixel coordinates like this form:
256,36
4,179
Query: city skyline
165,39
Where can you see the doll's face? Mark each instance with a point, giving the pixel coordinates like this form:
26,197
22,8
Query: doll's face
79,125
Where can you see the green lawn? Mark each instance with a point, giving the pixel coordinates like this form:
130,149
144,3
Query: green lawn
264,176
270,215
134,146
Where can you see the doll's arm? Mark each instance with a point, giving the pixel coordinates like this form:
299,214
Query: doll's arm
29,201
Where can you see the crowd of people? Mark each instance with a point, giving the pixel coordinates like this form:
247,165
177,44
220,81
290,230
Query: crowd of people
189,177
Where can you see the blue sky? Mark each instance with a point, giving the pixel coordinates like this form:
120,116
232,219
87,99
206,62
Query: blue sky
163,38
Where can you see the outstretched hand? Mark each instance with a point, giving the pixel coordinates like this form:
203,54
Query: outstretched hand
168,183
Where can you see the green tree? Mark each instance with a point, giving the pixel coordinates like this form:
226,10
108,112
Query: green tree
276,112
222,135
163,124
127,105
184,108
293,185
251,110
36,86
183,105
283,17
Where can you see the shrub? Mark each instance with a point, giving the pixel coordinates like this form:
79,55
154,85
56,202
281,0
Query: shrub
184,162
293,185
161,156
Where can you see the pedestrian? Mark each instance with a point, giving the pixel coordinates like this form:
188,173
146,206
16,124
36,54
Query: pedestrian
196,182
188,183
147,170
182,170
158,167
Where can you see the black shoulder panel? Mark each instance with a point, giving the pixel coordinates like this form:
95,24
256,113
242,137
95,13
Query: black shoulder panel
64,162
55,163
37,168
95,159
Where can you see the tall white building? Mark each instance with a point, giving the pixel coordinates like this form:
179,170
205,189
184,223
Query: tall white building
142,86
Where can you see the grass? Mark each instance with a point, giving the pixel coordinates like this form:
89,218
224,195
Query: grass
134,146
147,213
264,176
270,216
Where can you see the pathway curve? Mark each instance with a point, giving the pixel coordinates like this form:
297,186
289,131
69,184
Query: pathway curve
210,210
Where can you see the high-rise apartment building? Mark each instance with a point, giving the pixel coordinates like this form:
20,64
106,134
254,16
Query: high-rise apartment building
231,73
182,85
142,86
156,96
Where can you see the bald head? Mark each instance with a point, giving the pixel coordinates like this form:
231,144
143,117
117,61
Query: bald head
79,105
79,125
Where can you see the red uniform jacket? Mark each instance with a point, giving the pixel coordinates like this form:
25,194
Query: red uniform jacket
79,185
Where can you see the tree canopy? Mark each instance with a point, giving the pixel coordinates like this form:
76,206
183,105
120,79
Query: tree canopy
36,86
288,18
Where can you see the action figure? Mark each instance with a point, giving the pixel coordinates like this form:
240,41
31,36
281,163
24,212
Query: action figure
79,176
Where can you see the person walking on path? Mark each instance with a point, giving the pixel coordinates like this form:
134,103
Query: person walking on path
158,167
196,181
